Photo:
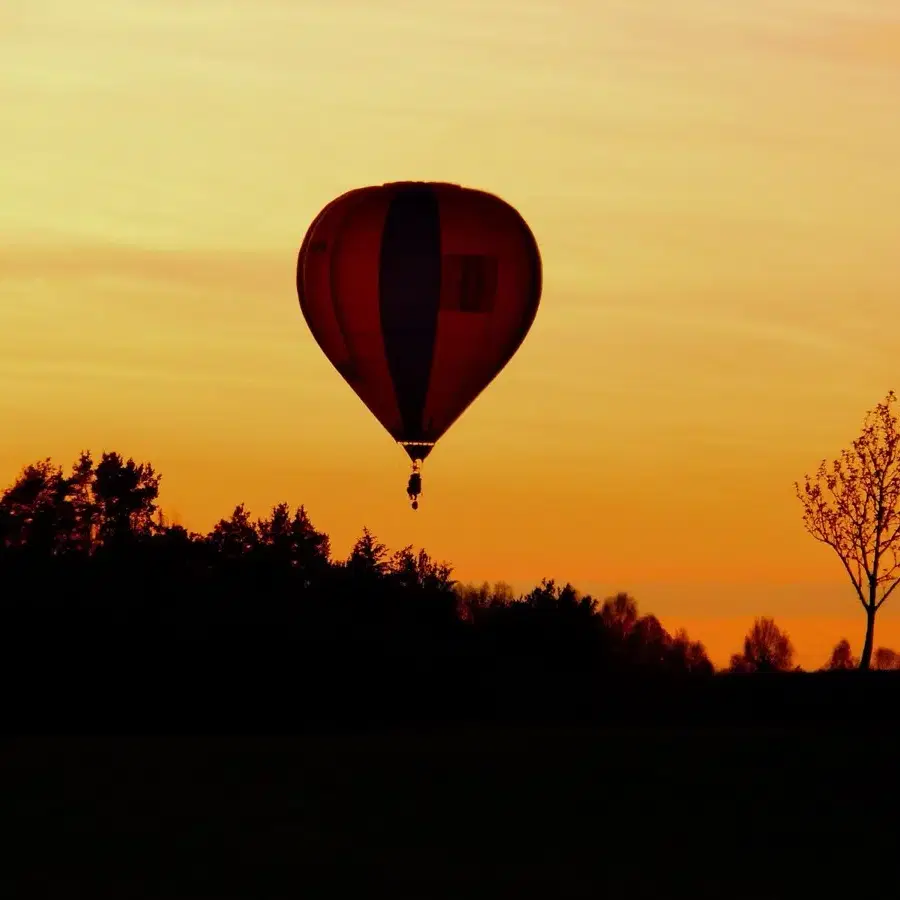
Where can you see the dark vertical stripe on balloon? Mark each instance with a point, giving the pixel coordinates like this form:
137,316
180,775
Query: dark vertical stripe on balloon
409,297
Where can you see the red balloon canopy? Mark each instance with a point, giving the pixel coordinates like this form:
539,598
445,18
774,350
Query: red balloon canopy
419,293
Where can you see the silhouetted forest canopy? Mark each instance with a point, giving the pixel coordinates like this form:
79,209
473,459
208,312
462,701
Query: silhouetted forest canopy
109,606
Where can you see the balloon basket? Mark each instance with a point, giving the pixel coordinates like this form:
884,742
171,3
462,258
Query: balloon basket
414,486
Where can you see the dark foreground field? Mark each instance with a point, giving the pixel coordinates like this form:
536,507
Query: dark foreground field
763,812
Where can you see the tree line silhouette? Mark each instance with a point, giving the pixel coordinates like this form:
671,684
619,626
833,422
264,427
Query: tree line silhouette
103,598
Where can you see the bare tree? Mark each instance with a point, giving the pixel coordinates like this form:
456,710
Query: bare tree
766,649
853,506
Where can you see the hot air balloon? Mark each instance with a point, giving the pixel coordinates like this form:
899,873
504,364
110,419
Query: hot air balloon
418,293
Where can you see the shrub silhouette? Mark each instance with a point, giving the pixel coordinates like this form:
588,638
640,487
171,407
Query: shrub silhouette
842,658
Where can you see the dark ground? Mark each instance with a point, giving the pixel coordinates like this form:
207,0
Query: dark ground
722,812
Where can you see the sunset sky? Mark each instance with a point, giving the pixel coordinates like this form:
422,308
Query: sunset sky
716,193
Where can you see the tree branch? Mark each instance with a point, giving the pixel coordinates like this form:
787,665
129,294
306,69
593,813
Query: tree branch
856,582
886,594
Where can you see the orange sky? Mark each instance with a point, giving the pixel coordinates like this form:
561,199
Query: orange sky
716,195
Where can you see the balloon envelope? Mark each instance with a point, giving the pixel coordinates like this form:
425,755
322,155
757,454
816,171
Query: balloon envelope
419,293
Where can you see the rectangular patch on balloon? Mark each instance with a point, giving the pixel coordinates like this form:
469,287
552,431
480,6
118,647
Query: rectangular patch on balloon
468,282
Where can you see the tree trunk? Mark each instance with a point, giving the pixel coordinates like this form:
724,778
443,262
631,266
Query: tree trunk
865,659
